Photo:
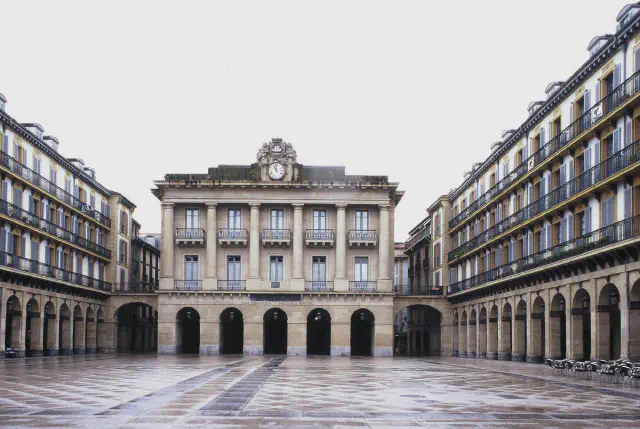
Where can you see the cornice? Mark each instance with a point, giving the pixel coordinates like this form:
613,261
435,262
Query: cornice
619,39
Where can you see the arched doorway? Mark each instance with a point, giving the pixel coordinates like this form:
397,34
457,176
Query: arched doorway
558,327
462,335
492,332
634,322
482,334
188,331
32,342
13,325
609,323
231,331
519,352
537,354
64,331
137,328
49,330
581,325
78,331
319,332
101,331
275,332
472,330
505,353
90,332
456,323
362,332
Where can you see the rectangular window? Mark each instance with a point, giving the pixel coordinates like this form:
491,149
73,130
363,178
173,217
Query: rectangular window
36,165
319,219
277,219
362,220
276,268
234,220
361,269
192,218
608,215
17,198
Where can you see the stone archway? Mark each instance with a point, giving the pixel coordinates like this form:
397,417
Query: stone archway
78,331
64,331
471,334
519,352
319,332
536,352
137,328
462,334
423,333
32,340
90,332
456,323
362,332
609,326
101,332
275,332
231,331
558,327
49,330
581,325
492,333
482,334
13,320
188,331
506,350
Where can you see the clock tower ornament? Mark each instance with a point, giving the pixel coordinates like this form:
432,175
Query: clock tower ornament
276,159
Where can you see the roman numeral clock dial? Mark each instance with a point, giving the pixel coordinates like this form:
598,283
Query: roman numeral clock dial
276,171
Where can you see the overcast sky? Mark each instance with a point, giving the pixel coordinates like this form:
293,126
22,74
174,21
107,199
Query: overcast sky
416,90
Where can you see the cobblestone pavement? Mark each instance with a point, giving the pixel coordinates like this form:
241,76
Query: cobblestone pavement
298,392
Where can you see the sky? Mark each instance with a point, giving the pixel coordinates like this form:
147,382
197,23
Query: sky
415,90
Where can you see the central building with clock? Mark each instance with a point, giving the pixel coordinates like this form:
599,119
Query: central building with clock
276,257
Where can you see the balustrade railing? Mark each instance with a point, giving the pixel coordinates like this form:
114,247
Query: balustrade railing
233,233
232,284
607,168
363,286
416,290
318,285
363,234
51,188
34,267
190,233
187,284
624,230
319,234
276,234
63,234
588,119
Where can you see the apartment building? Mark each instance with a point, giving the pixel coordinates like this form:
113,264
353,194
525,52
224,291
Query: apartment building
64,237
538,247
276,257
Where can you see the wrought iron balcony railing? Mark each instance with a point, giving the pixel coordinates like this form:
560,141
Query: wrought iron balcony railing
363,234
233,234
412,241
63,234
51,188
276,234
607,168
590,118
190,234
319,234
187,284
318,286
624,230
232,284
135,287
34,267
363,286
417,290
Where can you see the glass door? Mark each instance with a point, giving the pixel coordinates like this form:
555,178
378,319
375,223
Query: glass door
319,273
234,272
191,272
361,273
234,223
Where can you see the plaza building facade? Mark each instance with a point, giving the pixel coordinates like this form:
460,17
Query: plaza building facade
277,257
65,249
537,249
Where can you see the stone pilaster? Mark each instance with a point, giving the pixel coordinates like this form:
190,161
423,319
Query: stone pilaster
166,276
211,275
297,281
384,282
253,282
341,282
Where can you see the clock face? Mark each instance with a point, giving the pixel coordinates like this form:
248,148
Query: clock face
276,171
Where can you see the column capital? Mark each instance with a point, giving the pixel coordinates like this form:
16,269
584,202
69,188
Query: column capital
168,205
212,205
298,206
254,205
341,205
384,207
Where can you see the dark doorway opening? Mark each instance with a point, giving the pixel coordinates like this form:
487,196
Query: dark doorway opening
362,325
231,331
275,332
319,332
188,331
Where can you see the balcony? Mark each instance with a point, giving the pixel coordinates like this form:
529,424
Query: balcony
363,286
233,237
624,230
232,284
416,239
319,237
417,290
187,285
135,287
554,199
363,238
37,268
33,178
588,120
190,236
318,286
276,237
42,225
